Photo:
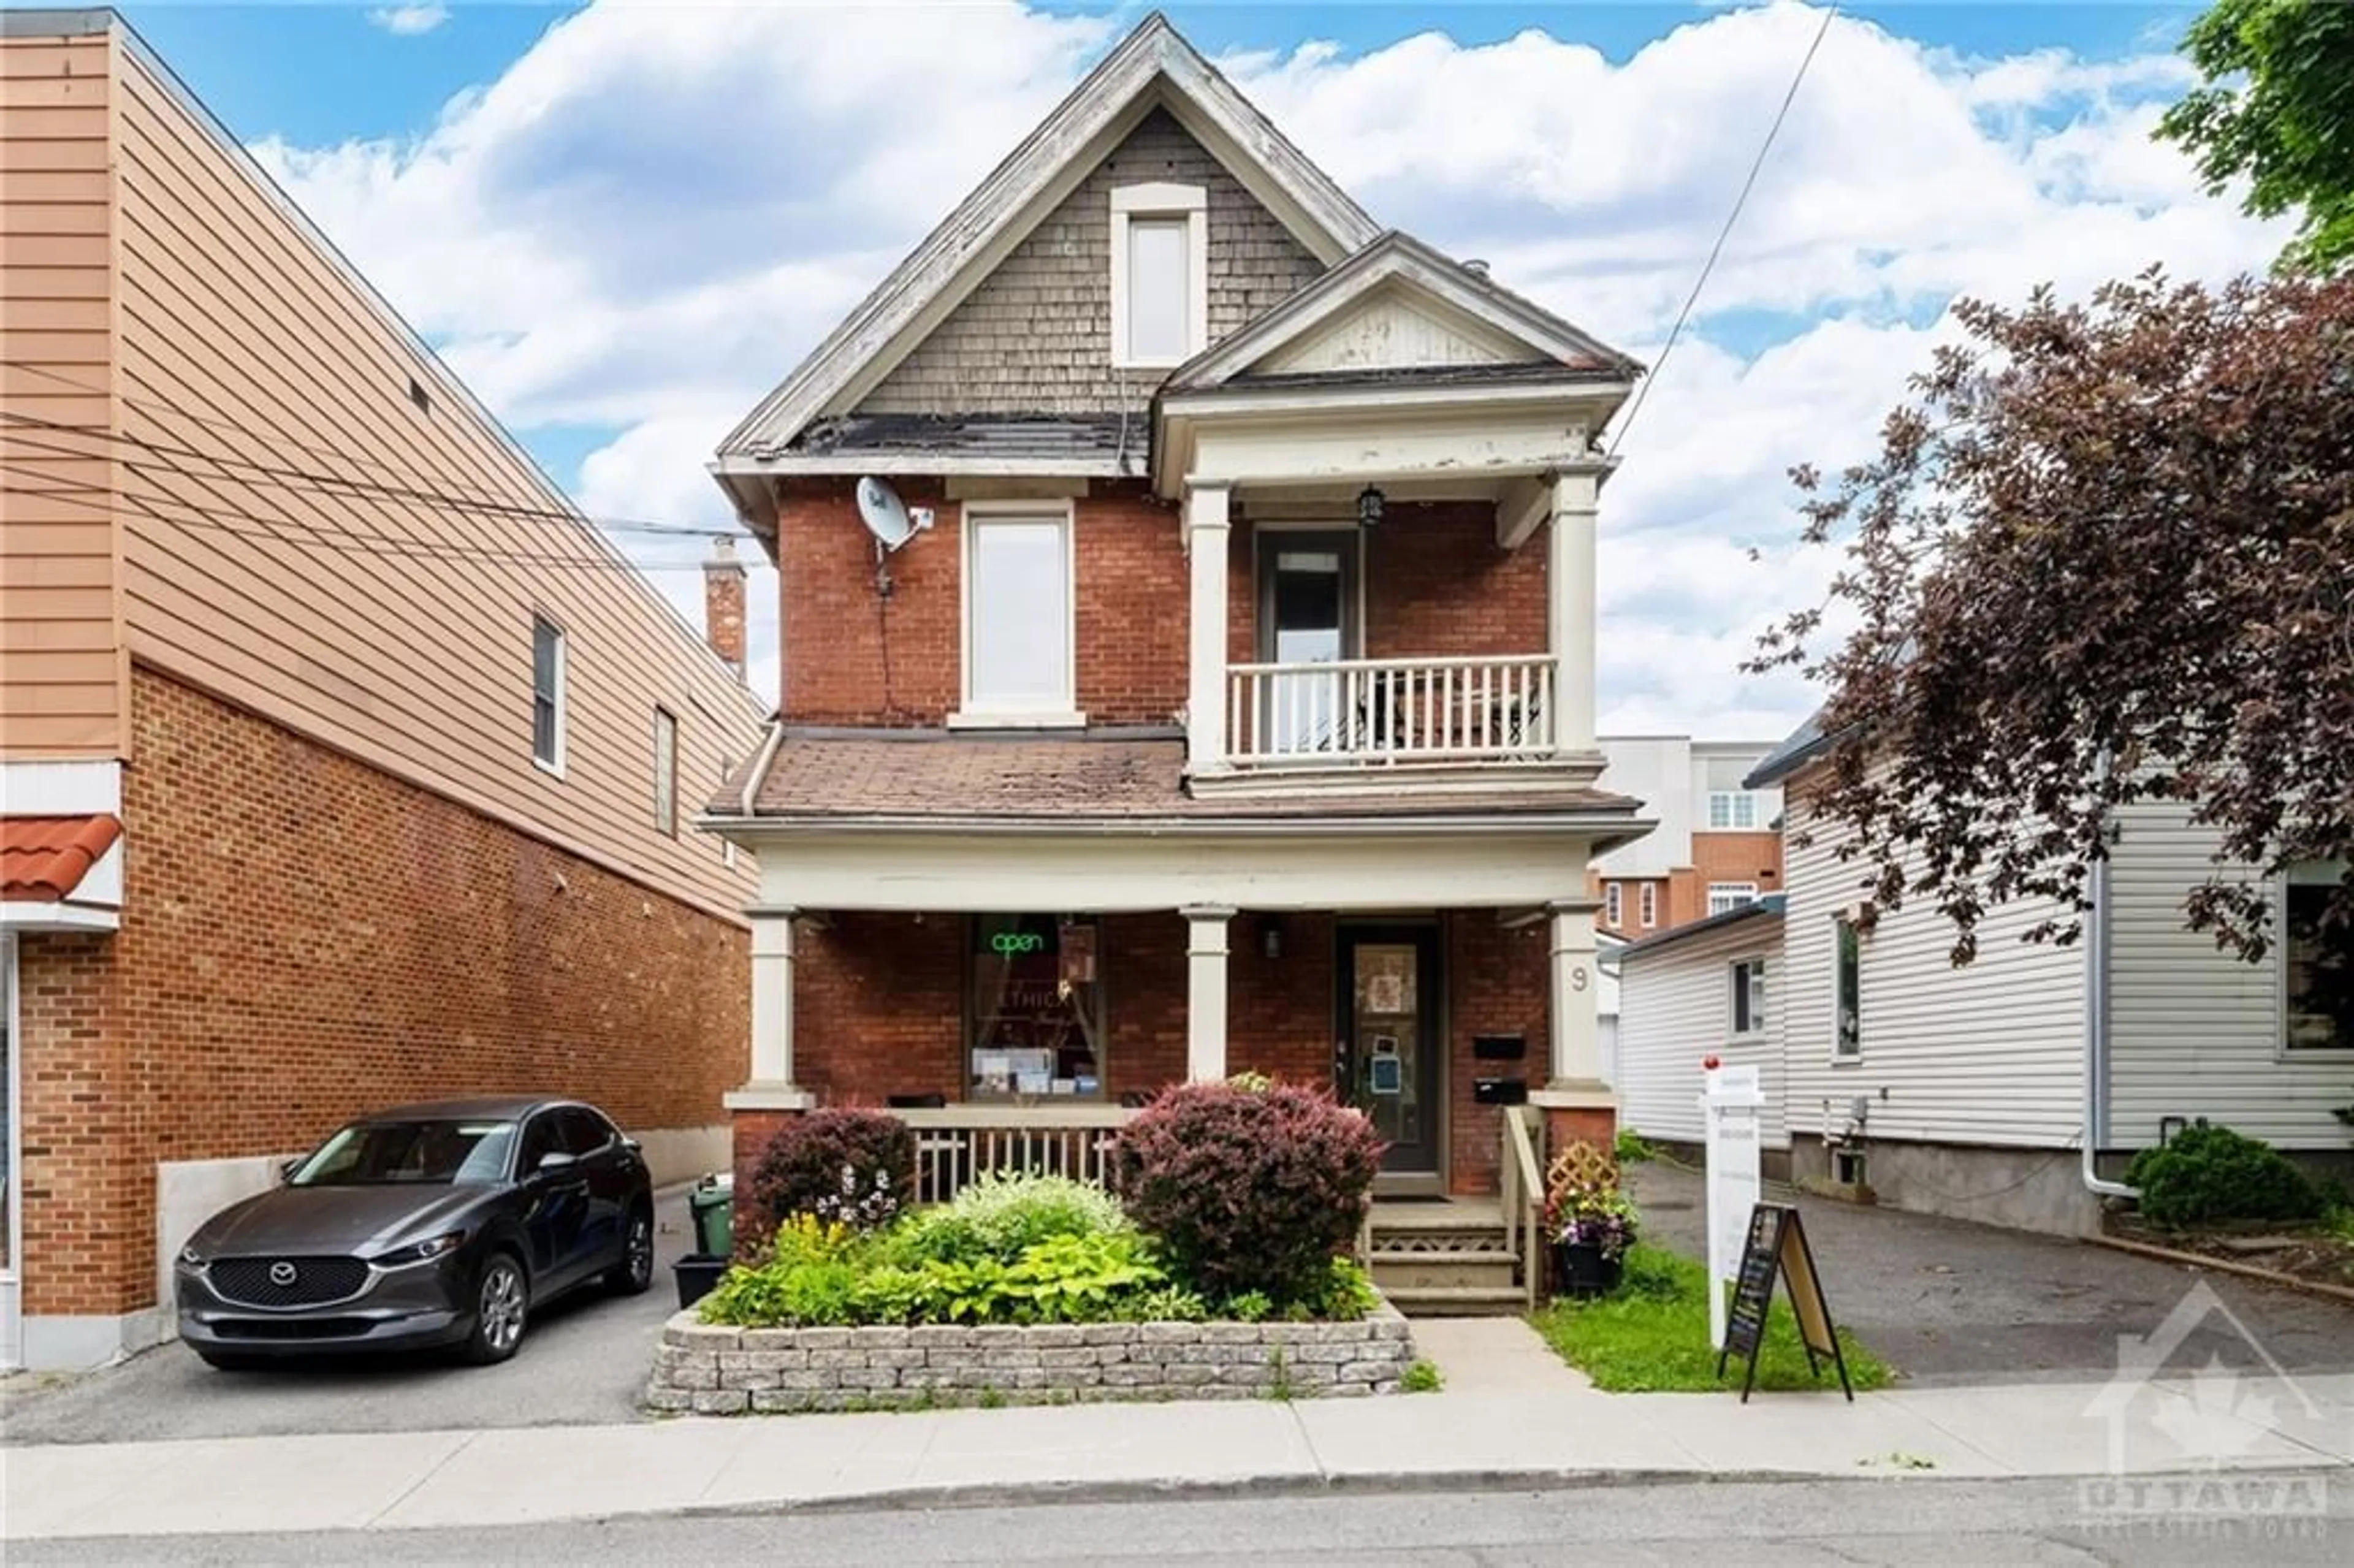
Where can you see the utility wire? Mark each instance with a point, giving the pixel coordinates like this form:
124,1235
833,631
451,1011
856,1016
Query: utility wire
1643,393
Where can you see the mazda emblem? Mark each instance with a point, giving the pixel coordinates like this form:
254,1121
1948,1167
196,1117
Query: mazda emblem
281,1273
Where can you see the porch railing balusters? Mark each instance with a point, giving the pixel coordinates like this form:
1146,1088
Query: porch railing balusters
1444,712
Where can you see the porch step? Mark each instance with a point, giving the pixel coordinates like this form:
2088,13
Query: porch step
1396,1269
1458,1301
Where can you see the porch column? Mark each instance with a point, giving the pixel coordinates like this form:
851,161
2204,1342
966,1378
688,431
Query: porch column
1577,1061
770,1086
1570,612
1205,990
1205,691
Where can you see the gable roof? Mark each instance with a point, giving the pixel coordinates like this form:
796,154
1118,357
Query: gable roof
1525,336
1153,66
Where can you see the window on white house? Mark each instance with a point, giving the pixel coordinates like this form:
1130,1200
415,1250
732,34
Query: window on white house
548,694
1159,274
1647,903
1725,897
1018,615
1748,996
1847,988
1732,810
2318,963
666,771
1614,904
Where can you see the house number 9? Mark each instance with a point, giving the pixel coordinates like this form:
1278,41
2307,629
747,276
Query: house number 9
1577,977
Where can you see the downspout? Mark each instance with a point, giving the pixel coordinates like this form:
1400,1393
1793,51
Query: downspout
2096,1037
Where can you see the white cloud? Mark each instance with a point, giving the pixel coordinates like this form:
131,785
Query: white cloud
650,216
407,21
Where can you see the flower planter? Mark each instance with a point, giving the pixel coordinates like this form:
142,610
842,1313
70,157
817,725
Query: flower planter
1580,1269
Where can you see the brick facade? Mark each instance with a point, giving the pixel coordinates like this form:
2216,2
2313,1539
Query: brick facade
1036,336
304,938
1681,897
879,1009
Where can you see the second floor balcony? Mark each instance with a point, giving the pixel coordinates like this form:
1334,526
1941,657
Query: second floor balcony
1391,712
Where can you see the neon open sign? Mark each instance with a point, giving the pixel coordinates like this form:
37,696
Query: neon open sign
1011,942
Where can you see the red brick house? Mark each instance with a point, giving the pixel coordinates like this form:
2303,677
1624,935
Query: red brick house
341,763
1230,705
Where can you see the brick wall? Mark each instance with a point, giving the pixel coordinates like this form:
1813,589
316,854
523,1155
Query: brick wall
851,658
1497,985
1035,335
304,939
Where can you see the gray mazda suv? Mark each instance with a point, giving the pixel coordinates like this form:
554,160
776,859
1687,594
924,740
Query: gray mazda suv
444,1225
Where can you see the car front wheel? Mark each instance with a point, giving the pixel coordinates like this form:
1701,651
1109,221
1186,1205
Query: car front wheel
636,1270
502,1304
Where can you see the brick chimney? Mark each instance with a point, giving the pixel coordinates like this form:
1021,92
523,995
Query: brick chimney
723,604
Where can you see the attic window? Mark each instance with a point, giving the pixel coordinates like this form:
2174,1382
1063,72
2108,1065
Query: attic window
416,395
1159,274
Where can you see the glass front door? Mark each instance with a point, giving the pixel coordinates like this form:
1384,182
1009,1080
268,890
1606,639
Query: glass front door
1307,616
1389,1064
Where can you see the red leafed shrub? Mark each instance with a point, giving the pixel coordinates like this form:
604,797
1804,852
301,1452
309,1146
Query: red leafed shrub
854,1166
1248,1188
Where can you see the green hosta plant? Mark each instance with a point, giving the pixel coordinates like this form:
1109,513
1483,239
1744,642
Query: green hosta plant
1080,1279
1003,1215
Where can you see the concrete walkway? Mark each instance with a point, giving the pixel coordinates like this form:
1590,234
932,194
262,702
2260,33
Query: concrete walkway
1475,1435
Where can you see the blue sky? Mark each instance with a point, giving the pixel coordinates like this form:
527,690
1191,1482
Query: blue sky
623,225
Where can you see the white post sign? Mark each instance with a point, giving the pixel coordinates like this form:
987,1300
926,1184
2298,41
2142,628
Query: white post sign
1730,1100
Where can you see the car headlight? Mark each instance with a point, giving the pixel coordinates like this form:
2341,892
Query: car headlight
422,1252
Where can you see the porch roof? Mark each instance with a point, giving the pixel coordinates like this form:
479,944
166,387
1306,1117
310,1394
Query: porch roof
1133,775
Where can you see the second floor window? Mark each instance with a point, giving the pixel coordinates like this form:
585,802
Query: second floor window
666,772
1614,904
1724,897
548,694
1731,809
1018,619
1647,903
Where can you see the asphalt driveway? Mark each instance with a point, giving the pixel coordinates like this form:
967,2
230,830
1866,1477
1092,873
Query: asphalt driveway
585,1360
1947,1301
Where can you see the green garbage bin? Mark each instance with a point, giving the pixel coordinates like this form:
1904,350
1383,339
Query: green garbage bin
712,1202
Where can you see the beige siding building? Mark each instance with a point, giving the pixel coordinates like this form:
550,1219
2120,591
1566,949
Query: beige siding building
391,751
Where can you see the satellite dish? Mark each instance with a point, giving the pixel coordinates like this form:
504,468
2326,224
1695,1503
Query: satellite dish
887,516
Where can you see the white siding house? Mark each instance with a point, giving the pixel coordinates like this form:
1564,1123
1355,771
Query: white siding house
1686,995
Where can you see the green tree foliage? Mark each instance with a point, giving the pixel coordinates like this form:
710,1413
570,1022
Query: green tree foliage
2277,111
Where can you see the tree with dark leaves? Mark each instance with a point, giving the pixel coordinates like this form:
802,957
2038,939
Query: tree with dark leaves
2104,555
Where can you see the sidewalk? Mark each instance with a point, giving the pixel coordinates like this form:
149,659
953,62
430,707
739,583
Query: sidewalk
1558,1433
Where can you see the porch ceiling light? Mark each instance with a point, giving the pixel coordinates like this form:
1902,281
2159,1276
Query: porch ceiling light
1370,501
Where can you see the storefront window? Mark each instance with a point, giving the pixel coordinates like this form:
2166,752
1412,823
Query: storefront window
1038,1009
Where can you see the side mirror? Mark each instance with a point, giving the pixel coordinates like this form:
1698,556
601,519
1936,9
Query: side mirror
286,1169
555,1160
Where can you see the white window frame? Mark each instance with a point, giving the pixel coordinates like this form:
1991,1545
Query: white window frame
1840,1054
1614,904
1161,200
1647,903
666,761
558,700
2282,1050
970,715
1736,801
1744,893
1757,973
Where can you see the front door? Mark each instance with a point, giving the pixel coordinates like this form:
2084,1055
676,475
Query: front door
1389,1063
1307,616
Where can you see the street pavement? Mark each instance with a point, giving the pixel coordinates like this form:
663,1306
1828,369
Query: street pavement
1902,1524
1950,1302
584,1363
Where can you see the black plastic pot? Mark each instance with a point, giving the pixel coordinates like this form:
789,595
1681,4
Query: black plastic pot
696,1273
1579,1269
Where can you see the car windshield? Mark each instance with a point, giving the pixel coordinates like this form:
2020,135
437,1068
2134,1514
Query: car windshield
428,1150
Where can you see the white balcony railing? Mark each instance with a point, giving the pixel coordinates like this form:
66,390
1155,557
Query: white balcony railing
1390,711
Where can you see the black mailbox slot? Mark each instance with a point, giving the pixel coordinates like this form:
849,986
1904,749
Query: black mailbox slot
1501,1091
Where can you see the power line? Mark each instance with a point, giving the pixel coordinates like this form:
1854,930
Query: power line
330,482
1643,392
306,535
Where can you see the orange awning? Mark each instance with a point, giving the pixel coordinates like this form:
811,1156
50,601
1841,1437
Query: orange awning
44,859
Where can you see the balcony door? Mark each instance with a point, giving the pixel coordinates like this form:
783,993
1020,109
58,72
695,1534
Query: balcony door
1307,615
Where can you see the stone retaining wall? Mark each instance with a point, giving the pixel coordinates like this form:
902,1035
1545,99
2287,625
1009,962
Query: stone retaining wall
726,1372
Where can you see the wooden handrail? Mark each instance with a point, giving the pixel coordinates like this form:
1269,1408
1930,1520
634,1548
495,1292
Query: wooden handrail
1523,1182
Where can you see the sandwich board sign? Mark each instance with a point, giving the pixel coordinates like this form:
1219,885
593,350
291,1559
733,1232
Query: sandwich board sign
1731,1100
1775,1245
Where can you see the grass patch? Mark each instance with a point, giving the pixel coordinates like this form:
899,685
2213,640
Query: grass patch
1650,1336
1423,1377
